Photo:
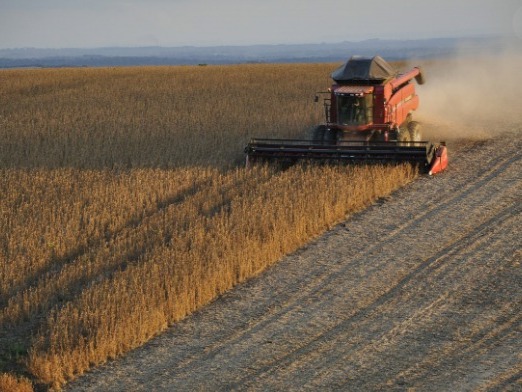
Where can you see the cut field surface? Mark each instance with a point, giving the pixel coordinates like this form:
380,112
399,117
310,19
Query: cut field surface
421,291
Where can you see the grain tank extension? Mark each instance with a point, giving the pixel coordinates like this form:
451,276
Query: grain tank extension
368,117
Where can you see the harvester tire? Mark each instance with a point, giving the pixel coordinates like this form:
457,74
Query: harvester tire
414,131
317,133
330,137
404,135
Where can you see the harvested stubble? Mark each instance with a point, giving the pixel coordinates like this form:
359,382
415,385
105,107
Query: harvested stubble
118,222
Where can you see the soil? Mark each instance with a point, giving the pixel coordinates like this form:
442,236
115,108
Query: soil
421,291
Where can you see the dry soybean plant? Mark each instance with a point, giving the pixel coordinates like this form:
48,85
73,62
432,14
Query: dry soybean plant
124,207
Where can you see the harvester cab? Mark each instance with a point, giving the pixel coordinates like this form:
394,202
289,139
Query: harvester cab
368,117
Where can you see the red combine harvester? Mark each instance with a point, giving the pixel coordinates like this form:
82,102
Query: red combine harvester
368,119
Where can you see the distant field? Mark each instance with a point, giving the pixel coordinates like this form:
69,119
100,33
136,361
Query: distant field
151,117
125,205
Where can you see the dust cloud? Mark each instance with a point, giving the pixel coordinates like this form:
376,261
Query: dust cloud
472,96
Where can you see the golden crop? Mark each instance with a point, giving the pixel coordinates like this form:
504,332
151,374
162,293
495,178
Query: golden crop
124,205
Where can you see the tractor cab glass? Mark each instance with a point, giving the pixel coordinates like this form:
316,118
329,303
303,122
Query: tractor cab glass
355,109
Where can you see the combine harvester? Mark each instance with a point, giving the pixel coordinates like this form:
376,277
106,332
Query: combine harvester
368,119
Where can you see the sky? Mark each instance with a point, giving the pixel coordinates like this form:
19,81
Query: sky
131,23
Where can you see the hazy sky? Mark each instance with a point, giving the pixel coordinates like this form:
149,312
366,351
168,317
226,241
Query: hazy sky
97,23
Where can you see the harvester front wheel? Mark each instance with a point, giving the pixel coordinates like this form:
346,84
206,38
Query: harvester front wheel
330,136
404,135
317,133
414,131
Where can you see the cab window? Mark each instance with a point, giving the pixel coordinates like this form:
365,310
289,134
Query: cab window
354,109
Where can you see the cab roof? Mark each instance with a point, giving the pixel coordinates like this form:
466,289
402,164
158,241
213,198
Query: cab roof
357,69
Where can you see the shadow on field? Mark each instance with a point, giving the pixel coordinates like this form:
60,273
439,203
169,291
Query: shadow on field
16,334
